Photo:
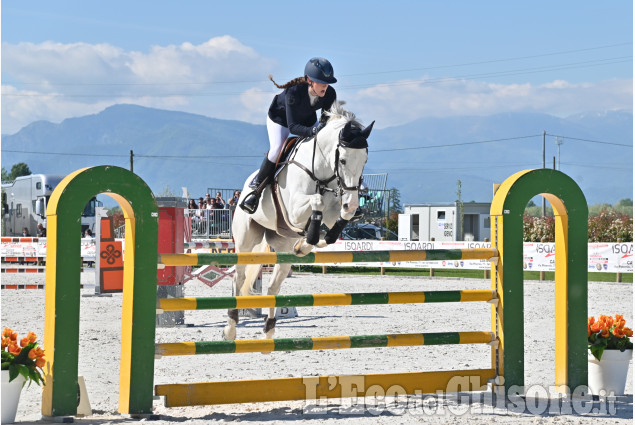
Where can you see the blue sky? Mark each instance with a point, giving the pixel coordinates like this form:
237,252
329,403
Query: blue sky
396,61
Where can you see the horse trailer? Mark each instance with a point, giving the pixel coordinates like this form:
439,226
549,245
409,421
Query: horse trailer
445,222
24,203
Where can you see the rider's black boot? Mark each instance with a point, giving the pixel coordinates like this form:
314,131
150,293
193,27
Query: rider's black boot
250,203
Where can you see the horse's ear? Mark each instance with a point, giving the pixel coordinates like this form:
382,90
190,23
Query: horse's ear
367,130
346,131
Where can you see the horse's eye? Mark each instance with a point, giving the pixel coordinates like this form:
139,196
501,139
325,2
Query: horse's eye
343,161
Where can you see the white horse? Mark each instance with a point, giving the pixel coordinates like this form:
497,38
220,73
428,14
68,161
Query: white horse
318,184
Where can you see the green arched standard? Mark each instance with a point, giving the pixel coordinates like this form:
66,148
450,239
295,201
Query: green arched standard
571,279
61,334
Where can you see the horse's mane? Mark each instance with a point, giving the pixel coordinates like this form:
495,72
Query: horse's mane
337,110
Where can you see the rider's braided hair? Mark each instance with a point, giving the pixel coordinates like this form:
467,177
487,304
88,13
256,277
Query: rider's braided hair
294,82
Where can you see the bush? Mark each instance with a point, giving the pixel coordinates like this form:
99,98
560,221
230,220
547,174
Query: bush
608,226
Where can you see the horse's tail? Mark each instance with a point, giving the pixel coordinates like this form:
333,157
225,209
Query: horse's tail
252,270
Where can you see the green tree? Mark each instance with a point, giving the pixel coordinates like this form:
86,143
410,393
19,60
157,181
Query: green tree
394,200
18,170
5,175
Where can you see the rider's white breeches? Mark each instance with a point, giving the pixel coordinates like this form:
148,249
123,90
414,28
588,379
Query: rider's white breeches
277,135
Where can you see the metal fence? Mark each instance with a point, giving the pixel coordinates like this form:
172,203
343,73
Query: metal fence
211,223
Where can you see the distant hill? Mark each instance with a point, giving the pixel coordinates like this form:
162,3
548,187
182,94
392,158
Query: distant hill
426,174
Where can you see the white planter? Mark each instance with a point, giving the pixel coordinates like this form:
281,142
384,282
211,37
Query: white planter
610,373
10,396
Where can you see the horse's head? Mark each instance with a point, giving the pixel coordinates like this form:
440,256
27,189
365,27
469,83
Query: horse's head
349,156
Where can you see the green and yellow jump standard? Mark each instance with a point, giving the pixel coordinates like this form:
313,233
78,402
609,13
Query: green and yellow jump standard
138,348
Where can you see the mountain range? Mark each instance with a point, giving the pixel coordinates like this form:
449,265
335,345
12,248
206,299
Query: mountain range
424,159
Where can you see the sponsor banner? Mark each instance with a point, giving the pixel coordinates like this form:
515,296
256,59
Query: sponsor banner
603,257
38,248
374,245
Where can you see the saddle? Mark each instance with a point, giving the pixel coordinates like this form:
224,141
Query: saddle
285,153
284,227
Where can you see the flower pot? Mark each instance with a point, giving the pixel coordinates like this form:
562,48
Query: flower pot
609,374
10,396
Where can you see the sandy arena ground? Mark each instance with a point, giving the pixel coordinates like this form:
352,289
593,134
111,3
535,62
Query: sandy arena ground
23,310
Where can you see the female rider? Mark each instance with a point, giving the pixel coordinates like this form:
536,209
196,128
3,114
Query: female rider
293,112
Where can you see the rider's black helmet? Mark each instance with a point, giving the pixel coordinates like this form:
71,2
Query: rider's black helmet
320,70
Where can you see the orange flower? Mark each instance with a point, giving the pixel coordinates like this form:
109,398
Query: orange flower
618,332
628,332
8,333
40,362
14,349
597,326
36,353
605,333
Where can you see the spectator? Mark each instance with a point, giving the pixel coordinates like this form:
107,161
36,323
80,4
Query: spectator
216,205
41,231
88,233
233,201
25,232
219,200
192,205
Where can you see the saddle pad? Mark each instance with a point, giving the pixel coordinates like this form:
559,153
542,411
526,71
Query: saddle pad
284,228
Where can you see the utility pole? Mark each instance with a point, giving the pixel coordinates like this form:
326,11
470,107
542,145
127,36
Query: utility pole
559,142
131,161
544,201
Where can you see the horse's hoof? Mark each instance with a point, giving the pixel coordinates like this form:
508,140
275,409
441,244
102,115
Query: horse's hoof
321,244
301,249
228,335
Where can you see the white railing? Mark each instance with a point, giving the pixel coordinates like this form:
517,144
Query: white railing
211,223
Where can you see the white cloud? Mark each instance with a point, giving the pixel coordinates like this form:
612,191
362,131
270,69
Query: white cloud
398,103
54,81
226,79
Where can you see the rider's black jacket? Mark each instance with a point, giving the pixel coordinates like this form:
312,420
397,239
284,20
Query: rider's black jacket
292,108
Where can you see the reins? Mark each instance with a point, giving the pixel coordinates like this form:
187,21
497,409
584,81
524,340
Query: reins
321,186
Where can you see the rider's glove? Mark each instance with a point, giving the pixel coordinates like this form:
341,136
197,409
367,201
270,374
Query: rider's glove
316,128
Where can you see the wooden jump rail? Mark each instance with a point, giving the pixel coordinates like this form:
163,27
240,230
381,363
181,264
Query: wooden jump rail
308,300
490,254
208,244
322,343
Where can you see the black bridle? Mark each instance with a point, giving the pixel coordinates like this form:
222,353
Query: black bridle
321,185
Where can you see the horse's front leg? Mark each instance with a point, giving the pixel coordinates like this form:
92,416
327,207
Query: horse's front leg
316,204
229,332
280,272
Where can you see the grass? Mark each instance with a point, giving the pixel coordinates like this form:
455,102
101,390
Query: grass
462,273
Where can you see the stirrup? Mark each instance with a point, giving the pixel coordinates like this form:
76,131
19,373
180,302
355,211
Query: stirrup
250,207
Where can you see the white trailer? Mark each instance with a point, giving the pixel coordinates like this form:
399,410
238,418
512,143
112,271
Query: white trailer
442,222
24,203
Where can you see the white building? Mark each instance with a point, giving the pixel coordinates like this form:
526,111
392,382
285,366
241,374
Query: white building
442,222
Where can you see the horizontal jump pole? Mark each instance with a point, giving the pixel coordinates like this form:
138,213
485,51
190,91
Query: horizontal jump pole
327,257
319,387
322,343
308,300
208,244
